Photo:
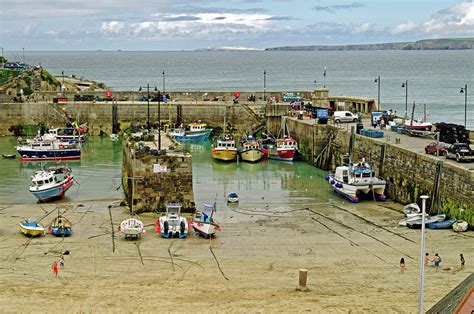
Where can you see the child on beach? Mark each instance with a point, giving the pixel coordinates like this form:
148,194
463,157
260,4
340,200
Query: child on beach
436,261
427,259
55,268
402,265
61,261
463,261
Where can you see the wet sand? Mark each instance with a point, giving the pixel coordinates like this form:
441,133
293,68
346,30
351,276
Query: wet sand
353,263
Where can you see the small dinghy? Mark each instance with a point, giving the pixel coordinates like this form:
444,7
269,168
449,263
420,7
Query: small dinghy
232,198
447,224
204,223
411,210
8,156
132,228
30,227
460,226
60,227
405,221
431,219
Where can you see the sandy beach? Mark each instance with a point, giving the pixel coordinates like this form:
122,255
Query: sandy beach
352,252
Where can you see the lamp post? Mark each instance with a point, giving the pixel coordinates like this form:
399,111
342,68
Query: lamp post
148,102
62,86
405,85
377,80
264,85
464,90
422,253
163,82
23,55
159,115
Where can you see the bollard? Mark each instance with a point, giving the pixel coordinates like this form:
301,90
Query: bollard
397,140
303,276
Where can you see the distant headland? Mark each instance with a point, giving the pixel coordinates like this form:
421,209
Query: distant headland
426,44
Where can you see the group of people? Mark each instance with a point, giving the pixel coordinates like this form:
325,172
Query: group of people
436,262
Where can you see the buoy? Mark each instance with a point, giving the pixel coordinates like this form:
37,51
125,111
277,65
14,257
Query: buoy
332,182
326,178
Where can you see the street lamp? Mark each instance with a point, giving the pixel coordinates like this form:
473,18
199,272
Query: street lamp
148,101
422,253
464,91
62,86
405,85
377,80
264,85
163,82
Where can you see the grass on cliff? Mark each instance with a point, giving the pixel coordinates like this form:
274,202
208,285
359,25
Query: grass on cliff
6,74
46,76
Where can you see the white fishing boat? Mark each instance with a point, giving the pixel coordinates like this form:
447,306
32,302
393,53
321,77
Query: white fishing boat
132,228
411,210
204,223
356,178
51,183
415,224
172,224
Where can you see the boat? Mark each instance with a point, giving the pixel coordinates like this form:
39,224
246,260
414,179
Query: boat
405,221
172,224
447,224
204,223
60,227
417,124
49,150
460,226
30,227
251,150
416,224
194,132
411,210
51,183
68,134
284,149
224,148
8,156
232,198
355,178
132,228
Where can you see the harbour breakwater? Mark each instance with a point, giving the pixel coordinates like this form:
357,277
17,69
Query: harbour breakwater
410,174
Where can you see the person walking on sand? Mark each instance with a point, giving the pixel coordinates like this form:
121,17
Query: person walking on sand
427,259
55,268
463,261
402,265
436,261
61,261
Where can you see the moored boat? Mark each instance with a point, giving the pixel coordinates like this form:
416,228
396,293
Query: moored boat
193,132
51,183
251,150
132,228
60,227
30,227
446,224
8,156
355,178
224,148
405,221
460,226
49,150
284,149
416,224
204,223
411,210
68,134
172,224
232,198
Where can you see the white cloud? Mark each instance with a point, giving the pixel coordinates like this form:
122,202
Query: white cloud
458,18
112,27
362,28
404,27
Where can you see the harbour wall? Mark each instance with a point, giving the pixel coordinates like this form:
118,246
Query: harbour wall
410,174
98,116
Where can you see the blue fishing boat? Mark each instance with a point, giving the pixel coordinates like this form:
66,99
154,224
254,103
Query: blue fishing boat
60,227
52,183
194,132
49,150
447,224
232,198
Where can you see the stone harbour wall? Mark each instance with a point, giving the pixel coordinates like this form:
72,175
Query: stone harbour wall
151,181
410,174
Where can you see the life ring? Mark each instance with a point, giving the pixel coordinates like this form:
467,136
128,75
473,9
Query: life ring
61,146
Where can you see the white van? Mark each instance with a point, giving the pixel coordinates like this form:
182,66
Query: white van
345,116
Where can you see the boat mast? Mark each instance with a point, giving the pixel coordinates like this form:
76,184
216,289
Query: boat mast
424,111
412,114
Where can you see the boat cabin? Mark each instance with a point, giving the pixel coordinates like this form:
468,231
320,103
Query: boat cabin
251,145
42,178
197,127
287,143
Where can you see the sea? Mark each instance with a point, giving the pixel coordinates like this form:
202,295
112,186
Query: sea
434,78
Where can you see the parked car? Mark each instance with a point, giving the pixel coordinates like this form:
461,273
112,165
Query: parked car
436,148
291,97
460,152
345,116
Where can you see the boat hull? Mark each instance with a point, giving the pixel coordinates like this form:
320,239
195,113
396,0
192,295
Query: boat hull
61,231
54,192
224,155
32,232
447,224
351,191
205,229
192,136
32,155
282,154
251,155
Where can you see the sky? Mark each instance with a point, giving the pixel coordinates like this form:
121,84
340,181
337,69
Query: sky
56,25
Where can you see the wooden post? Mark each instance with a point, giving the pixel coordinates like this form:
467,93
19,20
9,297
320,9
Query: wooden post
303,276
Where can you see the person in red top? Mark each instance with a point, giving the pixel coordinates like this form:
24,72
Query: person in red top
55,268
427,259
